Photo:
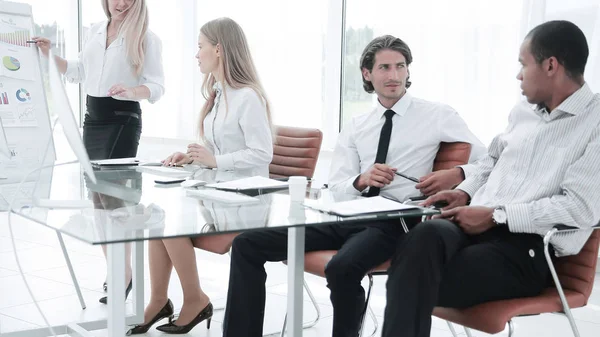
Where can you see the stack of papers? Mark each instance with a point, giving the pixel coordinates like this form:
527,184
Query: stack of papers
359,206
116,162
124,162
222,196
251,183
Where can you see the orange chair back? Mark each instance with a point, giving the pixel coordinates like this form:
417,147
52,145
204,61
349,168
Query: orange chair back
451,155
577,272
295,152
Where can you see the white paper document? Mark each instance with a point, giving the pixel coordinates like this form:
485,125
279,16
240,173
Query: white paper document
251,183
116,162
222,196
359,206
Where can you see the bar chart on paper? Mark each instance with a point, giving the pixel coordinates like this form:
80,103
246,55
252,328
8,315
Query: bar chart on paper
18,38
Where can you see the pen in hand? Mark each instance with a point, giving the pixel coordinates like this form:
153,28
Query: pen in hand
413,179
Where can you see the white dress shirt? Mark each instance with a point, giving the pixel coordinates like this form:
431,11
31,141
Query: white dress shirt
237,130
99,68
418,129
544,170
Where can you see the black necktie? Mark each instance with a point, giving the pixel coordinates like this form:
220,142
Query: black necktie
383,146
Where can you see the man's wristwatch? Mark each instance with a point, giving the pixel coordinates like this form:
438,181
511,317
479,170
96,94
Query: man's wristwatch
499,216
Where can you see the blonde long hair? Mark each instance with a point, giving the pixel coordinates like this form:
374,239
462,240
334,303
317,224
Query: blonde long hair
134,29
238,67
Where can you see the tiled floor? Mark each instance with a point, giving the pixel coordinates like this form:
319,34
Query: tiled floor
49,280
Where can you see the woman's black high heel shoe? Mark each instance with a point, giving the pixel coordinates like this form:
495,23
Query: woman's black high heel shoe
166,312
104,300
205,314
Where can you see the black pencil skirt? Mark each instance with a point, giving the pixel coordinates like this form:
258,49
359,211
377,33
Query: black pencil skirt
111,128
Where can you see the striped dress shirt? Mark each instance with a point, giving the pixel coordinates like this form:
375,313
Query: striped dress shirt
543,169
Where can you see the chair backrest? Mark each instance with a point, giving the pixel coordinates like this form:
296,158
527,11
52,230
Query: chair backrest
451,155
577,272
295,152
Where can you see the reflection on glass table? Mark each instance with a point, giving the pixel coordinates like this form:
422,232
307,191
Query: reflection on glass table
184,215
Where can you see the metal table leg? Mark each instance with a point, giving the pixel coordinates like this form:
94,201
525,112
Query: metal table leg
295,280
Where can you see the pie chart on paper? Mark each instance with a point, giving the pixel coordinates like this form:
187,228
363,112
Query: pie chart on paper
11,63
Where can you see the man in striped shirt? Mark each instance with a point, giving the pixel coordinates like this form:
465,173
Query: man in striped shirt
541,171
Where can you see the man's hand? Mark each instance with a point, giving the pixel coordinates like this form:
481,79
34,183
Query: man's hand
454,198
472,219
440,180
378,175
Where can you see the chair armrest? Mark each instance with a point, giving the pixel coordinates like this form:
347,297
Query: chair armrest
562,227
565,228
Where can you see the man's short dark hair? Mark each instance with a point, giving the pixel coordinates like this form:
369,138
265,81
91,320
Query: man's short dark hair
367,60
563,40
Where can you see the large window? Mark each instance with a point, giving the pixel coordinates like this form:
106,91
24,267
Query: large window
586,15
464,54
288,43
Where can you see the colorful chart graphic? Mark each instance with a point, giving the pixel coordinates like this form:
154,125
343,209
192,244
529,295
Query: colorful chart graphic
18,38
4,98
23,95
11,63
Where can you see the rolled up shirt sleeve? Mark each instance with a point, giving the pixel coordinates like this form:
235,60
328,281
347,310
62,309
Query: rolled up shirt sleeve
153,76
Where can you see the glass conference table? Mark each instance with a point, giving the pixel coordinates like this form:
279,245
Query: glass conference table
126,205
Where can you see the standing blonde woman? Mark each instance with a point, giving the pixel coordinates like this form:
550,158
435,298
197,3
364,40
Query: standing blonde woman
236,129
119,65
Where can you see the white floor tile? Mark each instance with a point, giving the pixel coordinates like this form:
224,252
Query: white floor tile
589,313
7,272
9,324
88,278
13,291
45,257
6,245
63,310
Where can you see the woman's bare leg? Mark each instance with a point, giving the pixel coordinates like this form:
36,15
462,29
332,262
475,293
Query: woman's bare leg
160,273
183,257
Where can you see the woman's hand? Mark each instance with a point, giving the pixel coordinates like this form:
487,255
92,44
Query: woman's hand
177,159
201,155
43,43
122,91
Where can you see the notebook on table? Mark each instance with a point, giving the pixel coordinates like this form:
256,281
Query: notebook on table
250,184
124,162
359,206
115,162
222,196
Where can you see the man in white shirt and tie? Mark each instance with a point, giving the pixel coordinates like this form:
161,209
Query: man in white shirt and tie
541,171
402,134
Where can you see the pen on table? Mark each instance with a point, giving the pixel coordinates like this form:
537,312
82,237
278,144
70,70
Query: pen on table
413,179
287,178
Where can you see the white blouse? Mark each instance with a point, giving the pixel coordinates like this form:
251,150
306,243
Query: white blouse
238,132
99,68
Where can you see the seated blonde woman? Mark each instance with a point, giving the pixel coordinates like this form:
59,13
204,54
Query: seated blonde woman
236,128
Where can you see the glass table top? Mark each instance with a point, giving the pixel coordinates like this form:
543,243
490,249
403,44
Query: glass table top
125,204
